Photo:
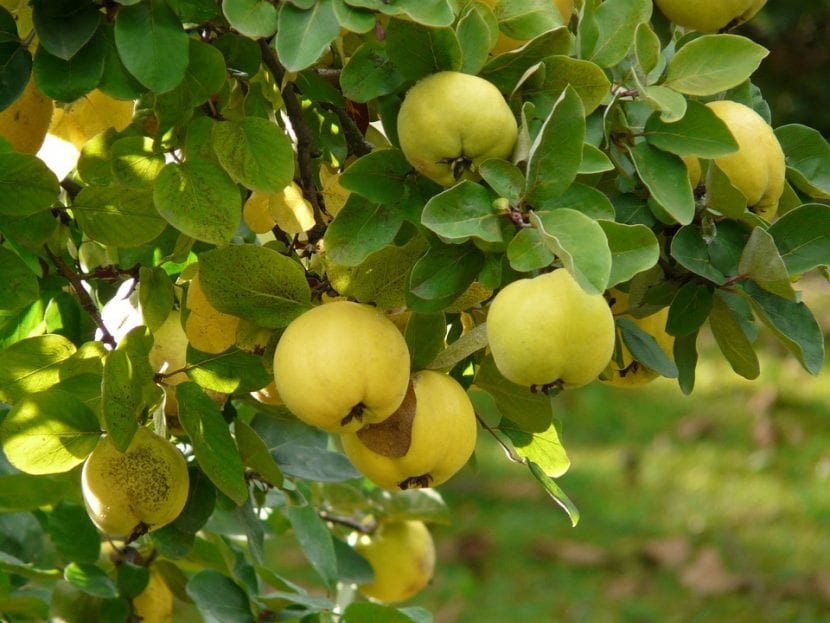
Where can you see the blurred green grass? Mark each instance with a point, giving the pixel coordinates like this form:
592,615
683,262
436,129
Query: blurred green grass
702,508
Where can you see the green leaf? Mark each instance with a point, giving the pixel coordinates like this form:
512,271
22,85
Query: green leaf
685,357
667,180
379,176
255,454
802,237
713,63
256,283
441,275
436,13
503,177
255,152
360,229
669,103
131,579
585,199
253,18
199,199
27,186
462,212
21,283
581,245
25,492
556,152
477,31
761,262
152,44
73,533
69,80
646,47
699,133
64,26
212,442
731,339
530,412
116,80
228,372
242,55
792,323
91,579
634,248
507,70
594,161
471,342
303,35
369,74
542,448
690,249
114,217
418,51
218,598
645,349
689,309
528,251
204,77
721,195
49,432
425,337
526,19
155,294
617,21
32,365
586,78
352,19
808,159
553,490
315,539
135,164
375,613
121,401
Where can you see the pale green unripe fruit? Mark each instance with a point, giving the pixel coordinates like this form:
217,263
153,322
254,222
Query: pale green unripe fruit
341,365
402,555
758,168
147,484
709,15
450,122
548,330
424,443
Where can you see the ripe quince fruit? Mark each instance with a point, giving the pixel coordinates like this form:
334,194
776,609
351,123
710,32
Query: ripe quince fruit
424,443
25,123
143,488
402,555
757,169
450,122
548,331
89,116
155,603
341,366
169,351
208,329
709,15
629,372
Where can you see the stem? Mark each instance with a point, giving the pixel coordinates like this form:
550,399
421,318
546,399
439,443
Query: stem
87,304
354,524
356,142
507,449
305,140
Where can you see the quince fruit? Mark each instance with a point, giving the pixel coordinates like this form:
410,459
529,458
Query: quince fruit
548,331
208,329
450,122
424,443
341,366
144,488
628,372
169,351
25,123
757,169
710,15
402,555
89,116
155,603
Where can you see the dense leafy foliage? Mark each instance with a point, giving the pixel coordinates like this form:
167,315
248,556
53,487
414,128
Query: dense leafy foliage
262,154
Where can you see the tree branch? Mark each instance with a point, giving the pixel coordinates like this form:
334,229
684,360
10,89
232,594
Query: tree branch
354,524
305,140
87,304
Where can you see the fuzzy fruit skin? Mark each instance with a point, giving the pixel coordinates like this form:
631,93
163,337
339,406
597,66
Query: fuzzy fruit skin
443,438
155,603
758,168
169,351
450,121
146,484
402,555
339,356
547,329
25,123
709,15
631,374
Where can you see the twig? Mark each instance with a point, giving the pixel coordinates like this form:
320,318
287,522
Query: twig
356,142
305,140
349,522
507,449
87,304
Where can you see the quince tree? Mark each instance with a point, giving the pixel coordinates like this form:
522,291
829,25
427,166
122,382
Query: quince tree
244,241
